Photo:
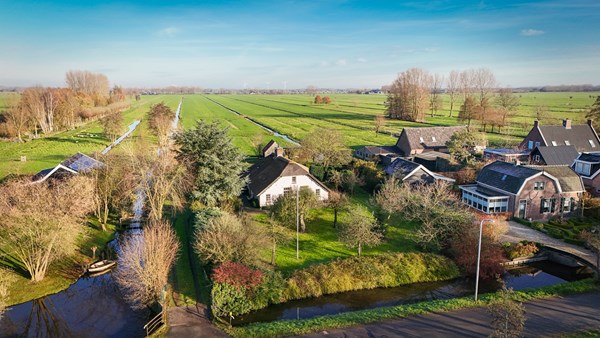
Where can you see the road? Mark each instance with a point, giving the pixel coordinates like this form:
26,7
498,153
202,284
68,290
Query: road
545,318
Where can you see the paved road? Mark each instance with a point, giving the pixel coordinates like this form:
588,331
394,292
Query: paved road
545,318
518,232
192,321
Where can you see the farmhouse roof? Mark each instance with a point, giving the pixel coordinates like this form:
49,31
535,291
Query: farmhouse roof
505,176
429,137
567,177
82,163
401,166
263,173
378,150
560,155
582,136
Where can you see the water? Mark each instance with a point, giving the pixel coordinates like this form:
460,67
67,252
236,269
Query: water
535,275
92,307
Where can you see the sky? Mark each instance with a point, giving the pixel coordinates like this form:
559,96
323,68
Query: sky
293,44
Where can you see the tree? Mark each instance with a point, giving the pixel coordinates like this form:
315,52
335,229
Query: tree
437,82
594,112
463,144
485,84
277,235
93,85
453,88
508,315
318,99
464,244
508,103
215,162
468,111
326,100
144,263
409,95
161,118
284,208
541,112
338,202
379,123
19,117
327,151
359,229
42,222
112,125
227,239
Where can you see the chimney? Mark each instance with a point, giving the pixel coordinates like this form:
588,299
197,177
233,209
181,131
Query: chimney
535,123
567,123
589,122
279,152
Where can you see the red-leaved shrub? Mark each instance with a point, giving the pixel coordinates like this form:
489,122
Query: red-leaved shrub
237,275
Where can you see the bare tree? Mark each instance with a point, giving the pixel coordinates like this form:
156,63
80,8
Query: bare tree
277,234
485,84
359,229
541,112
409,95
437,82
508,316
161,118
18,116
466,83
508,104
144,263
112,125
379,123
327,151
41,222
227,239
94,85
453,88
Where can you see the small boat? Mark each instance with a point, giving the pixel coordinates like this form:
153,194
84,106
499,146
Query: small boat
101,266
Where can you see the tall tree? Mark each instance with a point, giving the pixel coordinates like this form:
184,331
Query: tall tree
408,98
485,84
379,123
284,207
215,162
468,111
508,103
42,222
463,144
94,85
327,151
161,119
359,229
112,125
453,88
144,265
338,202
19,117
437,82
508,316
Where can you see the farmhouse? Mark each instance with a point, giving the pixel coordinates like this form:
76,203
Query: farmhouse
78,163
413,173
528,192
587,165
414,141
276,175
559,155
582,136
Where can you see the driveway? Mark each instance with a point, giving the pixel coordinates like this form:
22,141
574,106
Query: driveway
518,232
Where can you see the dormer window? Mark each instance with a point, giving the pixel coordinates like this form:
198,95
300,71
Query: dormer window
567,143
592,143
583,168
421,139
554,144
433,138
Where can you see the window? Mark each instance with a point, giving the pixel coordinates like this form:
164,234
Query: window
592,143
567,143
268,198
536,158
318,193
537,144
530,144
433,138
503,177
572,204
554,144
293,179
565,204
421,139
583,168
287,191
538,186
547,205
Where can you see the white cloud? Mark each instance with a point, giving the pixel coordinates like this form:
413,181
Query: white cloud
532,32
341,62
168,31
361,60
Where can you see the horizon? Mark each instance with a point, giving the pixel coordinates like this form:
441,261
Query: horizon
291,45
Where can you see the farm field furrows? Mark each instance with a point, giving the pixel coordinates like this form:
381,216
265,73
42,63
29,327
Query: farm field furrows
297,121
48,151
243,132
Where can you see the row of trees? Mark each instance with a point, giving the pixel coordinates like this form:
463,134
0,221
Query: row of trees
45,109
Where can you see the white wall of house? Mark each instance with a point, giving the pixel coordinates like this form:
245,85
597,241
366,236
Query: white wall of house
276,189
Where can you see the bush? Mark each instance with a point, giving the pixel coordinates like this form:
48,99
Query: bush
237,275
522,249
318,171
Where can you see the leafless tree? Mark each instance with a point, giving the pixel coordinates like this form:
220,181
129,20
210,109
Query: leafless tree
144,263
437,82
466,83
338,202
19,117
227,239
161,119
379,123
453,88
41,222
468,111
508,104
359,229
485,84
409,95
94,85
508,316
327,151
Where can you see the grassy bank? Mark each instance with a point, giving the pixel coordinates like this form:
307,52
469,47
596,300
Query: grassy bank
296,327
61,274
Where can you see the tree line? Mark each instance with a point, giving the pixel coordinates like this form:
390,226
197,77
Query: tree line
45,110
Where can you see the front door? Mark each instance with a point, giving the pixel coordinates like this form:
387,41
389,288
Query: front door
522,208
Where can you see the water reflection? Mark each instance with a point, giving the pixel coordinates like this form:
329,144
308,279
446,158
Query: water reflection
536,275
92,307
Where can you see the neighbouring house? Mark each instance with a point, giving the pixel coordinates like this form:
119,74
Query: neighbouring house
377,153
587,165
582,136
276,175
559,155
414,141
434,160
516,156
270,148
78,163
413,173
528,192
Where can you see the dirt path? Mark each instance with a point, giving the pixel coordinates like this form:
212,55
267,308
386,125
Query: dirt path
545,318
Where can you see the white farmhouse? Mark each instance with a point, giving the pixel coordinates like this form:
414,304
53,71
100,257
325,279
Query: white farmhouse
276,175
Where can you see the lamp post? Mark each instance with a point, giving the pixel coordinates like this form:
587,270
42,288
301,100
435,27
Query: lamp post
479,254
297,226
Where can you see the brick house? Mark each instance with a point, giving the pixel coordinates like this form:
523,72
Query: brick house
528,192
587,165
582,136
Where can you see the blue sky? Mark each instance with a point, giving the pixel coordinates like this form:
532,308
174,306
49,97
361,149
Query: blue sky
272,44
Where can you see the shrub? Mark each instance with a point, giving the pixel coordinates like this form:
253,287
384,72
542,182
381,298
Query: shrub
237,275
318,171
522,249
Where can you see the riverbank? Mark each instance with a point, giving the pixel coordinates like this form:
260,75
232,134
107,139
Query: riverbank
63,273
